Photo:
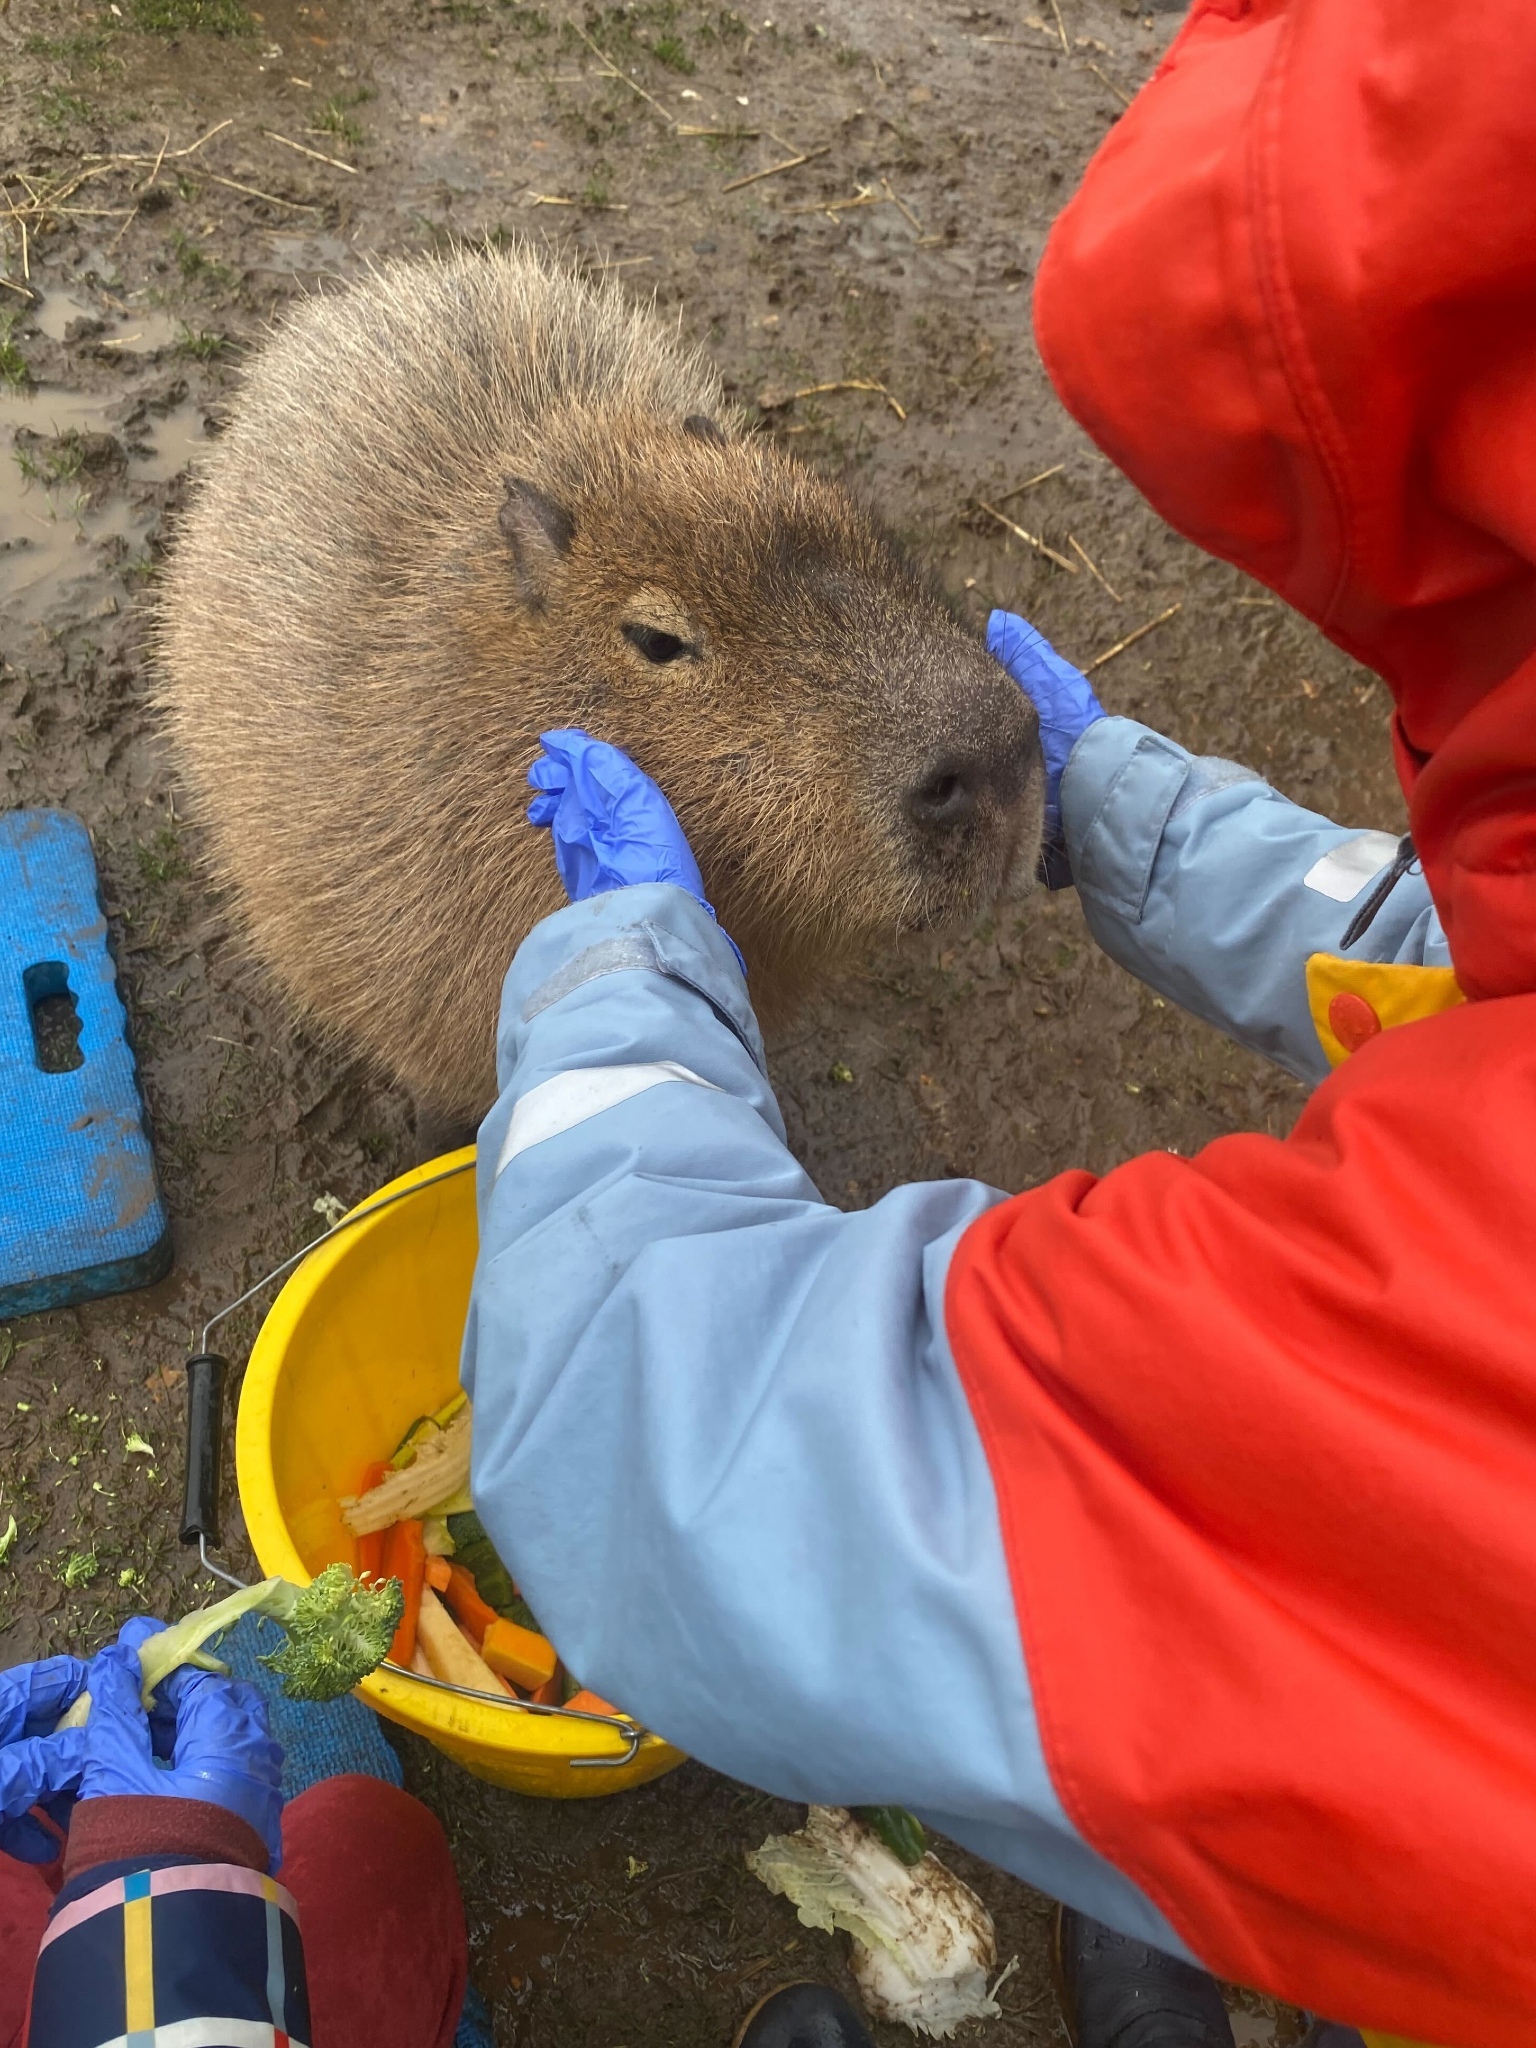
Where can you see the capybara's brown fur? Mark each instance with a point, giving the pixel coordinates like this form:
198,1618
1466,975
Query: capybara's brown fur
475,498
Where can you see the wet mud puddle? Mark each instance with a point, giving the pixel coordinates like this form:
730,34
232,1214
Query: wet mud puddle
78,471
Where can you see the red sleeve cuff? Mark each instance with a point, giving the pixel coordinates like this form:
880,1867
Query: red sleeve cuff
116,1829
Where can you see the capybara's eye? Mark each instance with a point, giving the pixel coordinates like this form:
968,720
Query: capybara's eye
655,645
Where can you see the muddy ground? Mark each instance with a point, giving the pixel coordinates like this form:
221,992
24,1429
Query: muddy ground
1009,1052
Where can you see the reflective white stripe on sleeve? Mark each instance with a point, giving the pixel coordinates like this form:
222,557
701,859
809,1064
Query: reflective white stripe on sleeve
565,1100
1342,873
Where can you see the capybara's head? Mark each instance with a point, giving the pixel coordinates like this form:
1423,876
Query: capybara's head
846,759
470,499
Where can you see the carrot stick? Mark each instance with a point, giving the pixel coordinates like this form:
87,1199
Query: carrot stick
552,1692
590,1703
463,1596
405,1559
438,1570
370,1549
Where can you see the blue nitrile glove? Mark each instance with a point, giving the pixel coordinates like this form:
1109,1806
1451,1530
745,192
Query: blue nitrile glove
611,825
37,1767
210,1731
1064,698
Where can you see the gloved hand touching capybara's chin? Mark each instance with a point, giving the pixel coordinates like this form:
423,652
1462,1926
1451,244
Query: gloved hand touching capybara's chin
1065,701
610,824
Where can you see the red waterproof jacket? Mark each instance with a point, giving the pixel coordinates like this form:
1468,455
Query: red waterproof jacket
1295,300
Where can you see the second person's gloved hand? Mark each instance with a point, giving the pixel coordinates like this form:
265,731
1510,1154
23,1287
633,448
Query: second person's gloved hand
612,828
37,1766
211,1731
1064,698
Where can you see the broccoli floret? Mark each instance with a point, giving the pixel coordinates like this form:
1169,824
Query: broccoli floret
339,1629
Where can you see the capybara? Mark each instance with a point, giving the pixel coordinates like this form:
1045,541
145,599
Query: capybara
476,497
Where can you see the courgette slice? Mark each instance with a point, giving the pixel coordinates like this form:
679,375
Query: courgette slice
473,1549
405,1451
424,1426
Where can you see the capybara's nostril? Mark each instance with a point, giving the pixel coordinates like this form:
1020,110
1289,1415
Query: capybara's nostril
945,797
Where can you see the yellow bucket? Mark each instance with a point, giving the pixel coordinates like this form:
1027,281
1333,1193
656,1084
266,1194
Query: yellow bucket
363,1339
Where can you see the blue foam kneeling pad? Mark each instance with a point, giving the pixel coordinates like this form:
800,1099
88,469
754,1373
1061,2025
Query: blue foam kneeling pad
318,1742
80,1209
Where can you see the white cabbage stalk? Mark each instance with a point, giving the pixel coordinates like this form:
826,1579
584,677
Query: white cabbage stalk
923,1943
439,1468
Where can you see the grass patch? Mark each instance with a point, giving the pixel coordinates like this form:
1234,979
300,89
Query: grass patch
726,26
184,17
61,109
673,52
161,859
196,265
200,345
50,463
529,21
526,21
89,50
13,364
335,119
648,28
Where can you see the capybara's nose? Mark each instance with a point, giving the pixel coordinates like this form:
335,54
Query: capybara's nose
944,795
952,783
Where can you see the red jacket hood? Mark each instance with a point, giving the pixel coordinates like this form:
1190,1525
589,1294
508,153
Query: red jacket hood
1295,300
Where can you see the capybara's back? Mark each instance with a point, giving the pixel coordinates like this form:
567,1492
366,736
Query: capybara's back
474,498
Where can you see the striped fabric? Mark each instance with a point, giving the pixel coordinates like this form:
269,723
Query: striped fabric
202,1955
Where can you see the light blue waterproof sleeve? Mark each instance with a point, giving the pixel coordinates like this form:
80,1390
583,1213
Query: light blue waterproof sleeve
1215,889
719,1435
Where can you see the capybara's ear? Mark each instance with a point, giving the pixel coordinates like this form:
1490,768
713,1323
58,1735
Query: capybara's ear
538,532
703,428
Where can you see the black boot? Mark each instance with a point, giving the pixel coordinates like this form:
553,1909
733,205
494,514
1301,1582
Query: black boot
803,2016
1118,1993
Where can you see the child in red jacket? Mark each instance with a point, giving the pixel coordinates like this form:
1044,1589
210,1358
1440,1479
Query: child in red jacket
1207,1483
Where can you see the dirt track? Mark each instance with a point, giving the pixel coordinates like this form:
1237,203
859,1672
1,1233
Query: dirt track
1007,1053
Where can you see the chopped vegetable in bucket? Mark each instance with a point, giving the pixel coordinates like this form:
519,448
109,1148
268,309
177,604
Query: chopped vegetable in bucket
462,1619
439,1467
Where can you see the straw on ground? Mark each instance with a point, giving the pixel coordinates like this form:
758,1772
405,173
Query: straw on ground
771,400
1092,566
790,163
1029,482
1131,638
319,155
1030,539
